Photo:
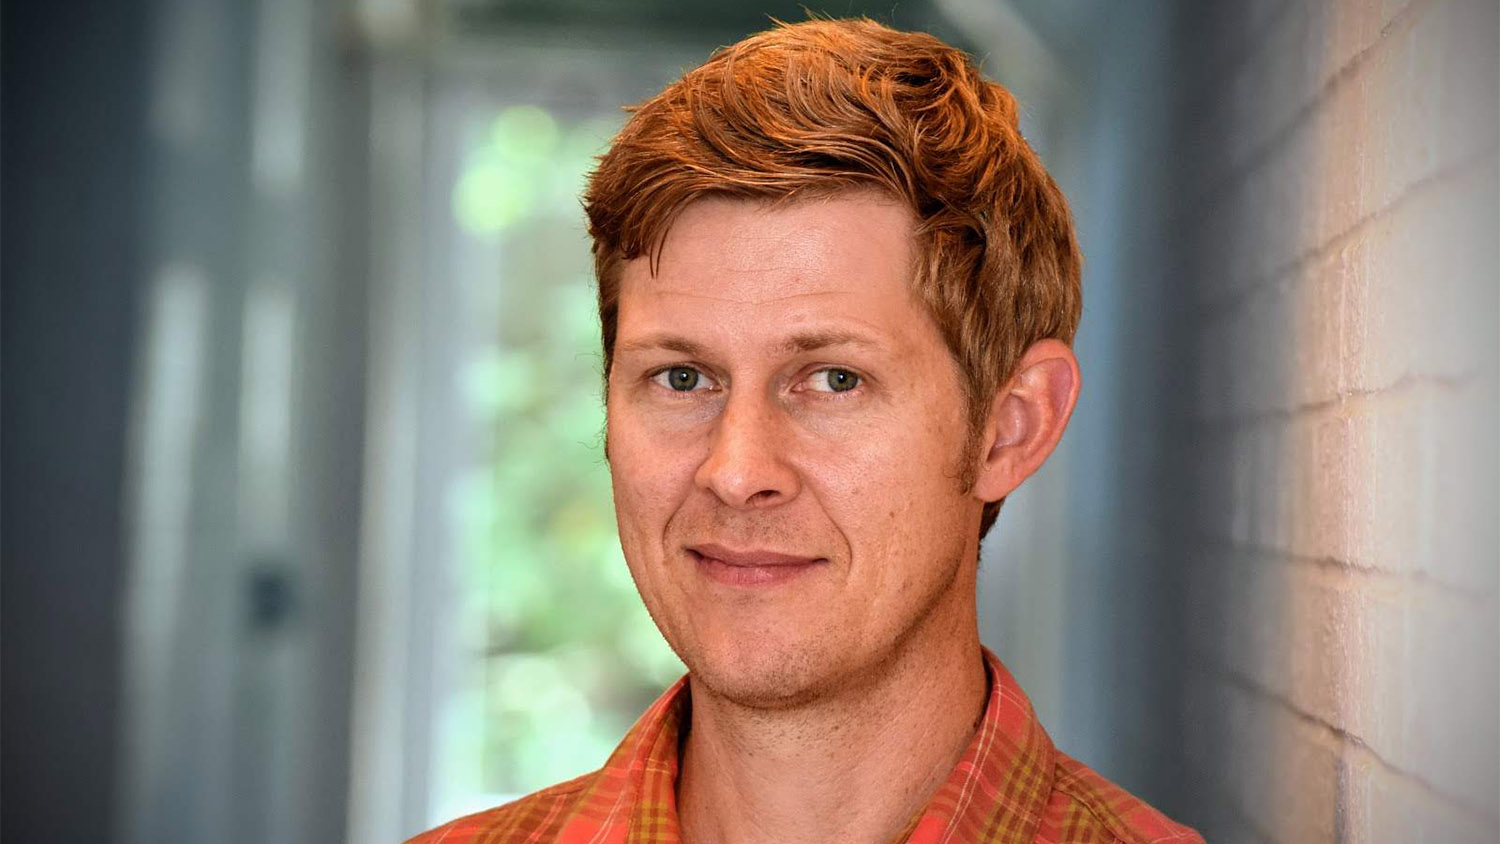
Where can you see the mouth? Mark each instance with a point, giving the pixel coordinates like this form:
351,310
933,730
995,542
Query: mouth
753,567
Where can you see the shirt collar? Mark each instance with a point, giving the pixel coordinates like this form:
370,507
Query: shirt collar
996,792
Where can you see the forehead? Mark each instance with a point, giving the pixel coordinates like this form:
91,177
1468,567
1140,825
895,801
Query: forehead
735,260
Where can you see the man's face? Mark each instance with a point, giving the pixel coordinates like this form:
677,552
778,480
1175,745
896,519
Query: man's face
785,430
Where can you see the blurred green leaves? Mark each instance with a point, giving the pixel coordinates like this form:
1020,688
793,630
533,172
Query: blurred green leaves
560,656
526,164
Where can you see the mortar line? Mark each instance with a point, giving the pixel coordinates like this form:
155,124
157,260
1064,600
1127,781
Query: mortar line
1346,740
1284,274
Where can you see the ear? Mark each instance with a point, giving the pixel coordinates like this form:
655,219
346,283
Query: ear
1027,418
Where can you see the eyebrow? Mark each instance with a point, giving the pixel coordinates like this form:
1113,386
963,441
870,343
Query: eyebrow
797,343
812,341
668,342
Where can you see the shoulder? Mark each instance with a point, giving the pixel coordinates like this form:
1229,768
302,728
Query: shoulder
536,817
1086,807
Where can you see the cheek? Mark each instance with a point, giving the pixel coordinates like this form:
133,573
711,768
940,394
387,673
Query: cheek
889,486
884,468
650,474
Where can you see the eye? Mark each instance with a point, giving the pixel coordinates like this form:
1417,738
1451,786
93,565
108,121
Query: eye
682,379
834,380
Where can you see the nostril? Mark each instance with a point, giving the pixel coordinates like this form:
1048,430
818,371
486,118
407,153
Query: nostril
745,466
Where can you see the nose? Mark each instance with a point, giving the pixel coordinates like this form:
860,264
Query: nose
746,466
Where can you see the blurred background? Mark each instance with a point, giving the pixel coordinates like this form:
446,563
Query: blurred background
306,527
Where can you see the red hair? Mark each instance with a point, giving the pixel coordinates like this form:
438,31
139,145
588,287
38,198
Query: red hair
816,108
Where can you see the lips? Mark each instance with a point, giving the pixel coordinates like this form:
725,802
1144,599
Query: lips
752,567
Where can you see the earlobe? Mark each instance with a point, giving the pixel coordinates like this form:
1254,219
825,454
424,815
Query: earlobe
1027,418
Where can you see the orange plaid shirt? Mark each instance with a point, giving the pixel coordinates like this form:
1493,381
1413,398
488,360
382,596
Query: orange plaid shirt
1011,787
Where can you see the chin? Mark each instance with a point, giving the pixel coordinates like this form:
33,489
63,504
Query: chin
767,677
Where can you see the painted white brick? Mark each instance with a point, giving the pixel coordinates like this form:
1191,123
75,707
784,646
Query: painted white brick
1289,770
1269,92
1427,503
1386,513
1344,260
1389,9
1425,284
1463,532
1452,739
1383,806
1317,312
1351,28
1406,111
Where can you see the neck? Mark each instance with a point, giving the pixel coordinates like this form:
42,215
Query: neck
857,766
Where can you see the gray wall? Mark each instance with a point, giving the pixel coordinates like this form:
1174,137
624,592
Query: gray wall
74,102
183,320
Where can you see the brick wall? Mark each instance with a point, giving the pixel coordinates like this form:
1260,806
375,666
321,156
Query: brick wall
1333,240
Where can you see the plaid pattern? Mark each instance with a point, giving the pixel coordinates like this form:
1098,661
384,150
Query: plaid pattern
1011,787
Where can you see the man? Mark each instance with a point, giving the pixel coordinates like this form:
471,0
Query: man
836,290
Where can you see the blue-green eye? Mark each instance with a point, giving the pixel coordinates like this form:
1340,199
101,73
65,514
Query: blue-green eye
834,380
683,379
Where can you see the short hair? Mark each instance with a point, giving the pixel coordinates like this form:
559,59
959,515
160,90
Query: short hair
812,109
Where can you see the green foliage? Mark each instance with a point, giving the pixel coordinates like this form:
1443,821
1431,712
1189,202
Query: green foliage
561,656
